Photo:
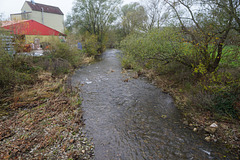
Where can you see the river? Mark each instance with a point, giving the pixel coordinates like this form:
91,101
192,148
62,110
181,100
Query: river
133,119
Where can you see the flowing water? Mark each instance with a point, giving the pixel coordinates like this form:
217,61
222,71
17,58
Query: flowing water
132,119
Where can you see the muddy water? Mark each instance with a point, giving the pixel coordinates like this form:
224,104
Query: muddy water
132,119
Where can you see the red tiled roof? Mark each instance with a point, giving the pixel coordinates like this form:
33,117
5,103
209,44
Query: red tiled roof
46,8
30,27
8,23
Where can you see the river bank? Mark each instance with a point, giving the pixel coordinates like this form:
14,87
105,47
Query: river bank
45,123
44,120
225,131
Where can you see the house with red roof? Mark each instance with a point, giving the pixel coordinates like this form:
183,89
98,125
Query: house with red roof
32,32
37,23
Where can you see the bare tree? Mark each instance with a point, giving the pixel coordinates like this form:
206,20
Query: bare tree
157,13
134,18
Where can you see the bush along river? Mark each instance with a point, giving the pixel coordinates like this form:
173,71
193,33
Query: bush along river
132,119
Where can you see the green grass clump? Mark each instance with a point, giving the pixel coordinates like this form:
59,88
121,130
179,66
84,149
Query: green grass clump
231,56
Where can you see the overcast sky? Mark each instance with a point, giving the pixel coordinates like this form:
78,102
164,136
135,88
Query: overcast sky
8,7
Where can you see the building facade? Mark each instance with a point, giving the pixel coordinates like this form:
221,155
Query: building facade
50,16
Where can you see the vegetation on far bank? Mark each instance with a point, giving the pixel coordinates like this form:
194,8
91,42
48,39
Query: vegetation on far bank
195,57
216,91
200,51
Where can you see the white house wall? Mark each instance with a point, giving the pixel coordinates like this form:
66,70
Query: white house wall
51,20
26,8
54,21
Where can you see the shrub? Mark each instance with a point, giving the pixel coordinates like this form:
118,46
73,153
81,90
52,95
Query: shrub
6,75
91,45
153,48
23,69
64,51
201,100
128,62
219,93
15,70
24,63
225,103
60,66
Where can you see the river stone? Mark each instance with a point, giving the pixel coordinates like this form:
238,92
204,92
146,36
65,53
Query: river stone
210,129
208,138
135,76
214,125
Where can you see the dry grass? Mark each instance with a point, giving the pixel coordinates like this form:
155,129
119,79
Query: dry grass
87,60
47,124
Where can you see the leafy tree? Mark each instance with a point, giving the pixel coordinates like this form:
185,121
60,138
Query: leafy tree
151,49
206,27
94,17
